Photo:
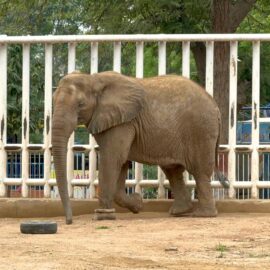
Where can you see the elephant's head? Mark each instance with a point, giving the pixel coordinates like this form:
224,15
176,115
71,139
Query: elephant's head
99,101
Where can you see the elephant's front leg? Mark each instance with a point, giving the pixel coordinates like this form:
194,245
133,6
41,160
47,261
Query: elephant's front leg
109,172
132,202
114,147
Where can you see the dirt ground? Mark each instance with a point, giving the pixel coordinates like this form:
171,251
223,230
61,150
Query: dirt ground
143,241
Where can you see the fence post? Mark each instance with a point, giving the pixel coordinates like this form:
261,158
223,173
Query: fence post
186,59
161,71
209,71
139,74
117,56
70,154
255,118
162,58
209,82
92,153
232,117
3,118
25,118
186,73
47,117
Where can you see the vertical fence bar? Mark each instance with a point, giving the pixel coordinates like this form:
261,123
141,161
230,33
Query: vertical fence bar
93,154
186,73
186,59
255,118
232,116
3,118
25,117
139,59
161,189
70,154
161,71
139,74
162,58
209,76
268,171
209,71
94,57
117,56
47,117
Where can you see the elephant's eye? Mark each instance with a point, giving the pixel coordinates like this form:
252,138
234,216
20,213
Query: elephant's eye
81,104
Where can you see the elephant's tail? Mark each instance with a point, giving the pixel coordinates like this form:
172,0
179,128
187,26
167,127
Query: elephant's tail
220,176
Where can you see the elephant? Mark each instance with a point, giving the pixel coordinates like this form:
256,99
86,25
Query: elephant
166,120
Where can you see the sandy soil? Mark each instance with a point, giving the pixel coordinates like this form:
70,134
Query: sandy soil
144,241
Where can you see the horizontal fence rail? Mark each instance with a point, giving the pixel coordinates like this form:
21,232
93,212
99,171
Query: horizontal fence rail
27,169
134,38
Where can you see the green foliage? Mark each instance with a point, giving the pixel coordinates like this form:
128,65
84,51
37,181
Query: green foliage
264,73
222,249
36,94
142,16
149,193
40,17
258,21
14,98
81,135
128,66
150,172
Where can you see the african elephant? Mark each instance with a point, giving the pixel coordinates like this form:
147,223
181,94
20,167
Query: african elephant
167,120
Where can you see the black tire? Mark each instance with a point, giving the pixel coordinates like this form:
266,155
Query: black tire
38,227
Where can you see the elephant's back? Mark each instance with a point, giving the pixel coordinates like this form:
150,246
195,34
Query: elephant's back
172,96
173,88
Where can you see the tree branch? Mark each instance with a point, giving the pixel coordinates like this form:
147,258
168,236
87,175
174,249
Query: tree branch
238,12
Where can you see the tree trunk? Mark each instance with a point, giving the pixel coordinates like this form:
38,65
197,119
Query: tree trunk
220,24
199,53
226,17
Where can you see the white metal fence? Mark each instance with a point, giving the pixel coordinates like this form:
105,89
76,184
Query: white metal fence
27,170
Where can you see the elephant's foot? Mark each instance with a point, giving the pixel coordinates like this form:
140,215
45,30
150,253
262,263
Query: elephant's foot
202,211
104,214
135,203
179,208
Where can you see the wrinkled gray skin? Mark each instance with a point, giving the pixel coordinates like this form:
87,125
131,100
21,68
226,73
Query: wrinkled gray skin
169,121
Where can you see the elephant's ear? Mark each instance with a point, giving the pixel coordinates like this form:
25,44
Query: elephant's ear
119,100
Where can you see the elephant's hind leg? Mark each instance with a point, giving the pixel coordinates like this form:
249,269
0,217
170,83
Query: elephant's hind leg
132,202
206,202
182,198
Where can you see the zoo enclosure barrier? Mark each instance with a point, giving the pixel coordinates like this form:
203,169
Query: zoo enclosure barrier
26,169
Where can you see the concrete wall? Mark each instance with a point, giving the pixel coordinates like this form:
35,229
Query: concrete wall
30,208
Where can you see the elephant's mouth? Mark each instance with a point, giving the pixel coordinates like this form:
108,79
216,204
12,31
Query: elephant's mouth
81,121
84,120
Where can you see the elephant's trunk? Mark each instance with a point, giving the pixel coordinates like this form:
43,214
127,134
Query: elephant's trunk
63,125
